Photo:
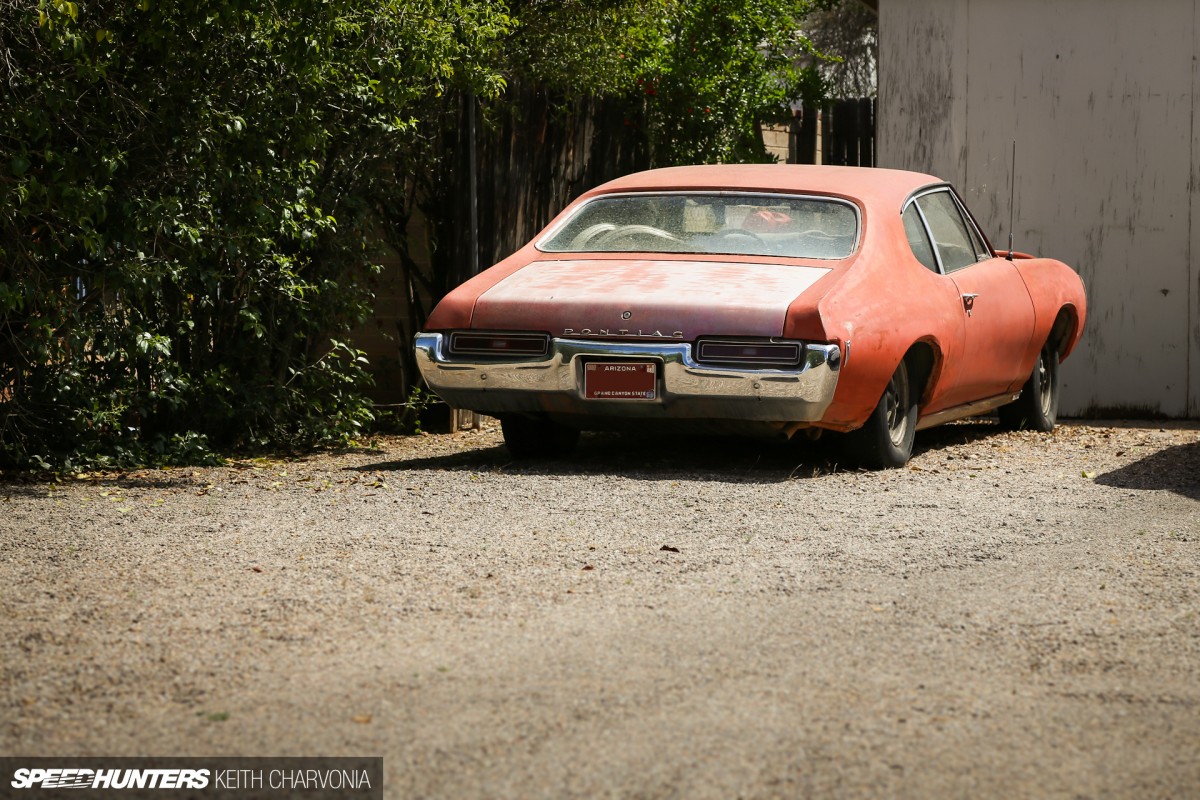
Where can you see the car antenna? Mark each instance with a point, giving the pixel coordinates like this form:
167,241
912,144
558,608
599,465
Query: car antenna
1012,198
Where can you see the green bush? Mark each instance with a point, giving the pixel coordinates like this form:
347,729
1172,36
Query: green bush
183,230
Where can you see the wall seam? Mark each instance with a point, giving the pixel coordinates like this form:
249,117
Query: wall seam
966,134
1193,291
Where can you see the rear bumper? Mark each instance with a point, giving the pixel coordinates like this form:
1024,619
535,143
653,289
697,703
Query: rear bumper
686,390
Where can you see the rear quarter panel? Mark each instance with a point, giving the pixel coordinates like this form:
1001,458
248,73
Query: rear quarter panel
877,309
1053,287
456,308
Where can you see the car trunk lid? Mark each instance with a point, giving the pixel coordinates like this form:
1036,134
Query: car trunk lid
644,298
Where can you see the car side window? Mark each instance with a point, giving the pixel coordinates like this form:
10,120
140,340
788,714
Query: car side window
982,253
918,237
950,232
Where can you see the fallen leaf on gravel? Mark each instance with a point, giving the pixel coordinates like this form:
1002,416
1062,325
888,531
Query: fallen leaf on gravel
587,567
256,569
363,719
1088,474
669,549
878,608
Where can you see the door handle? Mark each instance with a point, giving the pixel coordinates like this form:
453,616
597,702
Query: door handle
968,299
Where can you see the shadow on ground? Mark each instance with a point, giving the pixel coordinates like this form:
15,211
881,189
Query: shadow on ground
682,457
954,434
655,457
1175,469
42,486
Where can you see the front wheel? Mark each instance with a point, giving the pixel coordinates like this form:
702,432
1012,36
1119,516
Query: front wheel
1037,407
886,440
537,437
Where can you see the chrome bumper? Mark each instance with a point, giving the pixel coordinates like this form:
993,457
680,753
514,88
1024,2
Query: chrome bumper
686,390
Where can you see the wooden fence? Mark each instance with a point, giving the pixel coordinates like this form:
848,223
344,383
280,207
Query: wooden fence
841,132
533,153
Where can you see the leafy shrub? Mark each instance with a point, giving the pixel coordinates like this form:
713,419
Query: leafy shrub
184,234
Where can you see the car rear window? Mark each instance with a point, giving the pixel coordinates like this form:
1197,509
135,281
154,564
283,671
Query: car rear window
718,224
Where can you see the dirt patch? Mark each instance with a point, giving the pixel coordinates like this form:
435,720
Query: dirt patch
1011,615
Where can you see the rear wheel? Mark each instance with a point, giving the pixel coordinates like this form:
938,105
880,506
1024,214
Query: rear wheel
537,437
1037,407
886,441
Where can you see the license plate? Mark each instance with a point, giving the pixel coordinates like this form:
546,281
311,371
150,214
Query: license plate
620,380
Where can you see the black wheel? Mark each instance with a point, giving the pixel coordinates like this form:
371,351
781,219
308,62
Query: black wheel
537,437
886,441
1037,407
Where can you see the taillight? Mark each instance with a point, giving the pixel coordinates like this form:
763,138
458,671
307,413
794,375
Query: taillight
749,353
499,344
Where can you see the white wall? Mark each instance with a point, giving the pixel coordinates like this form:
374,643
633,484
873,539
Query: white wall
1103,99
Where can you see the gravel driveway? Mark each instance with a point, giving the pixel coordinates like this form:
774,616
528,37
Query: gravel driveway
1014,615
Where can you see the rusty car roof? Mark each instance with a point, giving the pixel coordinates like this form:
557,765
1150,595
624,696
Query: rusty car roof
871,186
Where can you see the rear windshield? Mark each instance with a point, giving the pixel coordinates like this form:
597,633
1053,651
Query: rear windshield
718,224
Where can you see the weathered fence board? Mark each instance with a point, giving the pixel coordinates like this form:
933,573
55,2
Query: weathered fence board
841,132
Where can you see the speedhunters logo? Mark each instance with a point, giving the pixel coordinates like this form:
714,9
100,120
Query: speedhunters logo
188,778
75,778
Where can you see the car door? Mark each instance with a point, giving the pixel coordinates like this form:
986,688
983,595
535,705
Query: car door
995,305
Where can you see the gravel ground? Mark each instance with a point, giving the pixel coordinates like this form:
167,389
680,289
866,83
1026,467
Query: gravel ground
1013,615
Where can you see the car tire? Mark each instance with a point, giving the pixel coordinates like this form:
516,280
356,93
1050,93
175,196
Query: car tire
1037,407
886,440
537,437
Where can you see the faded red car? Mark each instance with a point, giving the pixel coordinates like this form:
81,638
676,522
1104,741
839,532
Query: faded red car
758,297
